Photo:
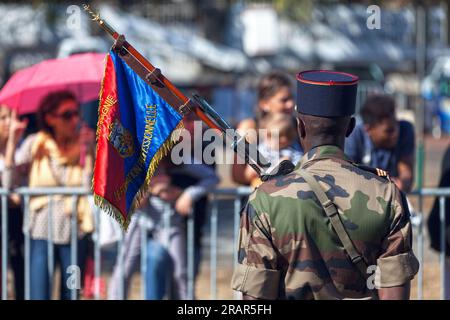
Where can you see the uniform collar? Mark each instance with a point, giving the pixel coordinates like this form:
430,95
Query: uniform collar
322,152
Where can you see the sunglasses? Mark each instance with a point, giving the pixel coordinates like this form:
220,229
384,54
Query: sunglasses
68,115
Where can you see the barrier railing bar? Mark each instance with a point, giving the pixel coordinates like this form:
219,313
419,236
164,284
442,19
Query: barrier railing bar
26,215
97,254
121,257
50,248
420,250
4,267
236,219
243,191
74,247
190,256
213,262
167,215
143,239
443,244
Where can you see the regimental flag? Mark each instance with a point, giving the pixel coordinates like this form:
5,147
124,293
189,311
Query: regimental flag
136,128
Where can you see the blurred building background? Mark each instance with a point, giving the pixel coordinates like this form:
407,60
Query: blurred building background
219,48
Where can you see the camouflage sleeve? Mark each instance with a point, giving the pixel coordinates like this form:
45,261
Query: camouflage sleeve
256,274
397,262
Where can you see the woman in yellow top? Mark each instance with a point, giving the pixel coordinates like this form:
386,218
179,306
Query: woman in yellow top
59,155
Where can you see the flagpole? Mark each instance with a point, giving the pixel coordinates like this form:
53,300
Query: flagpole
147,71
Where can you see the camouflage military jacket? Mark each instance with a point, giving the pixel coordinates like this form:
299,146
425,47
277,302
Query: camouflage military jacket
288,249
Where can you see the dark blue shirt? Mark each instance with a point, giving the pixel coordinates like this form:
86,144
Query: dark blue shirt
359,147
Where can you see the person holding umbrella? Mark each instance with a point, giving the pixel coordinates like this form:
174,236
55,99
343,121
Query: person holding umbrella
59,155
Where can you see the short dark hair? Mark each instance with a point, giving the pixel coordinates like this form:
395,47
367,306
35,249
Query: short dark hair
50,104
325,127
377,108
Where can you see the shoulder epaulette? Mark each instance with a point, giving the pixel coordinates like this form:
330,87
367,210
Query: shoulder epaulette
377,171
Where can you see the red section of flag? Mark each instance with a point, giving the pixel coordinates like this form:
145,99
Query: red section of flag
109,172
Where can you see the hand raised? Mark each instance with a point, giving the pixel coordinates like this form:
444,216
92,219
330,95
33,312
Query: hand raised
17,128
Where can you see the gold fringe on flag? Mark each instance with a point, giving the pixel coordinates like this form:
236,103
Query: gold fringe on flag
165,148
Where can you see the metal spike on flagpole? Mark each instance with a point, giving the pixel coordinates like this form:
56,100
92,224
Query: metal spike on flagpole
102,23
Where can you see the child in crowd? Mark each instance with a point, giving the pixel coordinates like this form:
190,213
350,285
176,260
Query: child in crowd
279,142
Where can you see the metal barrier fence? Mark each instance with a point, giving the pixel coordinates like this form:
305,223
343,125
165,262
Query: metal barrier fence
232,197
441,194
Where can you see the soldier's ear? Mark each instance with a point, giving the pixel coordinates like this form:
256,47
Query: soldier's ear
301,128
351,126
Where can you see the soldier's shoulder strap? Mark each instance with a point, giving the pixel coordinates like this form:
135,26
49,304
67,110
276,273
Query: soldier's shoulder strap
377,171
338,226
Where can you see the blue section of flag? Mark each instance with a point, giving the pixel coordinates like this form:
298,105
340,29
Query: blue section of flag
138,103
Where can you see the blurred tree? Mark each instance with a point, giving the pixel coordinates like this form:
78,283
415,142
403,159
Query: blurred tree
298,10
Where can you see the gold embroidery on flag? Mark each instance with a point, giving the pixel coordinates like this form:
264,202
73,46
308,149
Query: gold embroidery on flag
110,101
121,139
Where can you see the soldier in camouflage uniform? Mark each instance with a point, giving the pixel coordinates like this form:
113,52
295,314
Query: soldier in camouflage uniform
289,247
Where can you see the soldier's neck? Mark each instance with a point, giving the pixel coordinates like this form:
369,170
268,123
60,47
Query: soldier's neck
309,144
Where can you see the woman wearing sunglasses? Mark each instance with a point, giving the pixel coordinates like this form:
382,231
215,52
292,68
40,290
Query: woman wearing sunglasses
59,155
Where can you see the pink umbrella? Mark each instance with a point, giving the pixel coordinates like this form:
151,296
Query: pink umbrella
81,73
